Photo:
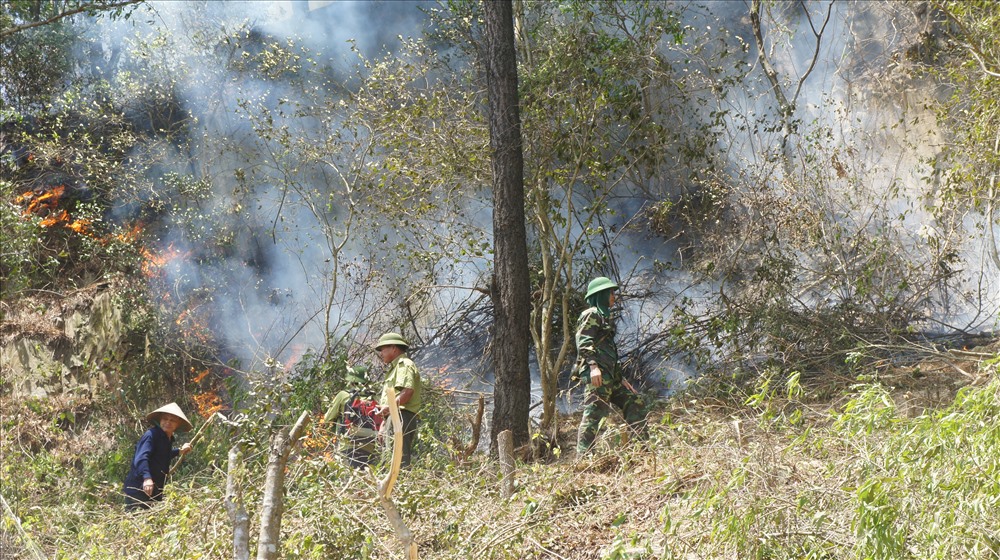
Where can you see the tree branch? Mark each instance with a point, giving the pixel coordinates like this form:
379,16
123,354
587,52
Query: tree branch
88,7
387,483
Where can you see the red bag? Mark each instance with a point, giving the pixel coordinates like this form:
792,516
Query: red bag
361,413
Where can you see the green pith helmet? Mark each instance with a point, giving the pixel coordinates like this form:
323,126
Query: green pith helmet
356,375
600,284
392,338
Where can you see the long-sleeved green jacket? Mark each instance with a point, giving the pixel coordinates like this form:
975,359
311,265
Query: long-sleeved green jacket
595,344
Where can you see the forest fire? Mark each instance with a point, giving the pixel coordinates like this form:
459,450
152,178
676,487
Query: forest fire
208,403
297,351
46,204
198,378
37,202
193,326
130,235
446,381
154,263
317,440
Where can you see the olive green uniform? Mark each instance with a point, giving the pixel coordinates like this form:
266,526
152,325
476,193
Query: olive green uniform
595,344
403,374
357,443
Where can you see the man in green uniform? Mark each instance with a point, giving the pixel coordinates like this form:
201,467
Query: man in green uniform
597,364
402,376
353,410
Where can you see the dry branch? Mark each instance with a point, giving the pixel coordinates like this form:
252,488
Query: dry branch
463,452
195,438
88,7
26,539
386,485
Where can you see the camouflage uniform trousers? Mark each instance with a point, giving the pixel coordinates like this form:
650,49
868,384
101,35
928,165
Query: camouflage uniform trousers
597,405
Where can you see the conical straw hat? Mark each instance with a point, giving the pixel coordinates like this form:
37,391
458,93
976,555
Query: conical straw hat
172,408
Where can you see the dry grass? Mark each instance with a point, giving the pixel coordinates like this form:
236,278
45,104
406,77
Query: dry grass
717,479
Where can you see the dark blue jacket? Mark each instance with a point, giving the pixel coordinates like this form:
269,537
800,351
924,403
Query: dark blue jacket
151,460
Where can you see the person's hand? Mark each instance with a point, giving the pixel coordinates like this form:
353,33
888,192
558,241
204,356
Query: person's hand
595,375
185,449
148,487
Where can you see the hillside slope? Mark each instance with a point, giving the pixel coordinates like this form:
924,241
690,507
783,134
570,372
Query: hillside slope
902,463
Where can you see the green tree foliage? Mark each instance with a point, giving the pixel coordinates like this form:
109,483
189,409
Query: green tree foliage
36,42
61,170
597,110
601,108
970,67
809,257
78,153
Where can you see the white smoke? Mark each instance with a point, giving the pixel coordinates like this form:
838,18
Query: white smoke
267,297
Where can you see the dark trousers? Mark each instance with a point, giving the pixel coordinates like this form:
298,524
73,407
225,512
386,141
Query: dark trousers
137,500
358,456
410,424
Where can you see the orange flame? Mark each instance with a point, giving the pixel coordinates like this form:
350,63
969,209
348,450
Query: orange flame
193,326
44,201
200,376
80,226
297,351
209,403
48,202
153,263
316,439
131,234
53,219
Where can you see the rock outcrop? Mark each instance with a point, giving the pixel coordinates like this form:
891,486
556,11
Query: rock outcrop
59,344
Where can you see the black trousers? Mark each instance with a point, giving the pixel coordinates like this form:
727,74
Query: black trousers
410,424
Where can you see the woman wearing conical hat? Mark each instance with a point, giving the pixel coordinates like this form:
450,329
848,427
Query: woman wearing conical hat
151,462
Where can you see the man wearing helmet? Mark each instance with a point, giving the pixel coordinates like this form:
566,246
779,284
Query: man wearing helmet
597,364
402,376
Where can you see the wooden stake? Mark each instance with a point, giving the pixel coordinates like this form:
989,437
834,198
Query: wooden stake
234,505
272,506
505,446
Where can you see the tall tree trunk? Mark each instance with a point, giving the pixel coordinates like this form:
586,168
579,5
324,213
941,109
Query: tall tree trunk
511,288
269,544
